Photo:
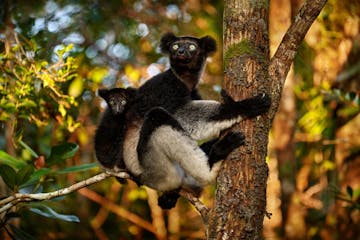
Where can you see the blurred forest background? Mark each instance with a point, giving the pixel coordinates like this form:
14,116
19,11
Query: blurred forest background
54,55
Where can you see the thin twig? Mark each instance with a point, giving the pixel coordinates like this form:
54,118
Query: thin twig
11,201
200,207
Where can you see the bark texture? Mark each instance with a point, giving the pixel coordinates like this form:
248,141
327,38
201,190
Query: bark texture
241,194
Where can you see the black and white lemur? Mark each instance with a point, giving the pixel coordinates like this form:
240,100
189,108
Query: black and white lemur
163,124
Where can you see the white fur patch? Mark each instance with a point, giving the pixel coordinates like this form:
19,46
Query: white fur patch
130,150
195,119
178,149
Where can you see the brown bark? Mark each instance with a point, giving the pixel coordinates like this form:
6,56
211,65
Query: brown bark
241,193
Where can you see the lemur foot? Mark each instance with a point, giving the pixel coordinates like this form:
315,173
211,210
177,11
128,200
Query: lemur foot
225,146
168,199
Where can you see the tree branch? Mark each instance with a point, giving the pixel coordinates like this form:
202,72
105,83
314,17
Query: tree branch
281,61
11,201
200,207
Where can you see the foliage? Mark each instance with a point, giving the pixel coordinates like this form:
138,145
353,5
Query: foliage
54,55
35,90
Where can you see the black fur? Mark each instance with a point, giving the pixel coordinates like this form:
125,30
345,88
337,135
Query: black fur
250,107
110,131
155,118
164,95
223,147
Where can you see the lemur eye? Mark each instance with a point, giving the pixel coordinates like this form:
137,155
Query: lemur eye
192,47
123,102
175,47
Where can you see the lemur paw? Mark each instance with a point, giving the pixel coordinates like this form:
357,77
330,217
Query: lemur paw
226,97
257,105
225,146
168,200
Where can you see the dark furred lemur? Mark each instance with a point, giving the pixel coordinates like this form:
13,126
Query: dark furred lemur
164,123
111,129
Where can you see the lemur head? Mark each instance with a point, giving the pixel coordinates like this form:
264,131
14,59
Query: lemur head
187,51
117,98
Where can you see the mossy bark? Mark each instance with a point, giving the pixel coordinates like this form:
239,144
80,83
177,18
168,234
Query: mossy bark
241,194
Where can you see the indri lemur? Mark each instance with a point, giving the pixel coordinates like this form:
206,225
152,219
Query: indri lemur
165,123
109,135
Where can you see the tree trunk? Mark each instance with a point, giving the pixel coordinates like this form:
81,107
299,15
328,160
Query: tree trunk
241,193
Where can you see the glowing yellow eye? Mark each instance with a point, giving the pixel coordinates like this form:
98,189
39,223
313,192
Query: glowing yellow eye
175,47
192,47
123,102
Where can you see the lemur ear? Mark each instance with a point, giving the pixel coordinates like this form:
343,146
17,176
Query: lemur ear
104,93
166,41
208,44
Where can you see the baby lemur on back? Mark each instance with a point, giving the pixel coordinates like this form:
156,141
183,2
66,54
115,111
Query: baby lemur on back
163,124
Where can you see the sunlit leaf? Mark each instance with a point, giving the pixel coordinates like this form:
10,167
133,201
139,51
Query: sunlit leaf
46,211
76,87
62,110
28,148
10,160
27,103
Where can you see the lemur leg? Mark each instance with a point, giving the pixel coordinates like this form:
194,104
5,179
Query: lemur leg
217,150
160,136
208,118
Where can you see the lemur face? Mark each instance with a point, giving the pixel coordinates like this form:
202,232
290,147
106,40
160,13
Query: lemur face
184,50
117,98
187,50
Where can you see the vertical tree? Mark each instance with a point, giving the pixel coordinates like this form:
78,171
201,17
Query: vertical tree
241,193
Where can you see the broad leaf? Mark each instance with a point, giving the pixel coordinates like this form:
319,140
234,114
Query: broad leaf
46,211
24,174
27,147
38,174
9,176
10,160
62,152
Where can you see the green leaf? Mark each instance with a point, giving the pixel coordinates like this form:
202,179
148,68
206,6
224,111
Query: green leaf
10,160
80,168
46,211
27,147
9,175
24,174
36,176
62,152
